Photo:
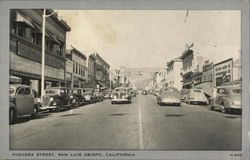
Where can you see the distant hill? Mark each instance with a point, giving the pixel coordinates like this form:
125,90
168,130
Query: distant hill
141,76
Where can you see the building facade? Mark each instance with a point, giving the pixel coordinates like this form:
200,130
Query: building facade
173,77
101,72
26,47
80,72
91,72
191,64
69,71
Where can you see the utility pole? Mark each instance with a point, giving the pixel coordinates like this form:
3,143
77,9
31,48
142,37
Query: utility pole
43,53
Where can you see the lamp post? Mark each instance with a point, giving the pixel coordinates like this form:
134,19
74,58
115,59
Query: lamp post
43,50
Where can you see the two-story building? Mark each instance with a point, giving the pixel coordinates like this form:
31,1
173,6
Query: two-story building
80,71
101,72
191,68
26,47
173,76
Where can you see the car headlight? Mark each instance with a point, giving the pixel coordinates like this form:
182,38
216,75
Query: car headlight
71,96
51,98
126,96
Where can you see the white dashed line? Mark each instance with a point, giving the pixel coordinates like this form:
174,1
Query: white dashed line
140,127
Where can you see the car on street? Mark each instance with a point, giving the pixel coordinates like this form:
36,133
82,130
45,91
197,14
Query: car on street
144,92
120,94
56,98
106,94
89,95
99,95
196,96
184,94
21,102
77,96
169,95
133,92
226,98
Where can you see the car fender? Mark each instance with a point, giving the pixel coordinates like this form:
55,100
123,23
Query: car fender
225,102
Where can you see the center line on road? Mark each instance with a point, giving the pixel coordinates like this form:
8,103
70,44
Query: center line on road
140,126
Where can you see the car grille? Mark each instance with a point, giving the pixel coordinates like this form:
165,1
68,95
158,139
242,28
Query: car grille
45,101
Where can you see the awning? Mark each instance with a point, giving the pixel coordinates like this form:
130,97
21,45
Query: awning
20,18
103,85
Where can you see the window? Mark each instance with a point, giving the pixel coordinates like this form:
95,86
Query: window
27,91
37,38
74,66
21,91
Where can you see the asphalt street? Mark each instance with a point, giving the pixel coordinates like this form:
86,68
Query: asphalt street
141,125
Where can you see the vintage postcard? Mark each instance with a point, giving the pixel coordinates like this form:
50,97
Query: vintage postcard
124,80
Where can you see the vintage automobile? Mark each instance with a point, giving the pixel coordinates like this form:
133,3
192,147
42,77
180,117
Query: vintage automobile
120,94
56,98
21,102
106,94
133,92
169,95
77,96
184,94
144,92
226,98
99,95
196,96
89,95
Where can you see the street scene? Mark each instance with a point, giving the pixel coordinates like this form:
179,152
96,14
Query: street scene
125,80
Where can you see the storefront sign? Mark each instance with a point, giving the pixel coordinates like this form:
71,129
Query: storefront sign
35,55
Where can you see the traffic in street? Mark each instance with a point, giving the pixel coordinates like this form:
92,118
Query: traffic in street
141,125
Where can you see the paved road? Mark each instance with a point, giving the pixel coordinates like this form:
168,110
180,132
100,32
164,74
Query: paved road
140,125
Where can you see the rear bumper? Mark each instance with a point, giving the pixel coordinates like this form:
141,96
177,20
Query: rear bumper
235,107
120,100
43,108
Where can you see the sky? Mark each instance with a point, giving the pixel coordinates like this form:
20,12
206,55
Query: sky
151,38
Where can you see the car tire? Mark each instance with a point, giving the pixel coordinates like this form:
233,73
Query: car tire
11,116
223,109
35,112
58,108
210,106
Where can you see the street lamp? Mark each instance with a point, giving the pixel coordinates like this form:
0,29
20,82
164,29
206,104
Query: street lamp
43,50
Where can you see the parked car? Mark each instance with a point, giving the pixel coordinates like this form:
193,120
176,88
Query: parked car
106,94
144,92
98,95
132,92
184,94
226,98
196,96
169,95
21,102
77,96
56,98
89,95
120,94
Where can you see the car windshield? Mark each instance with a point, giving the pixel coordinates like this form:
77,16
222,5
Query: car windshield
120,90
76,91
197,91
237,91
169,90
51,91
12,91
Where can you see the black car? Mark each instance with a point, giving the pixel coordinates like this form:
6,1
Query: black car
56,98
144,92
77,96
